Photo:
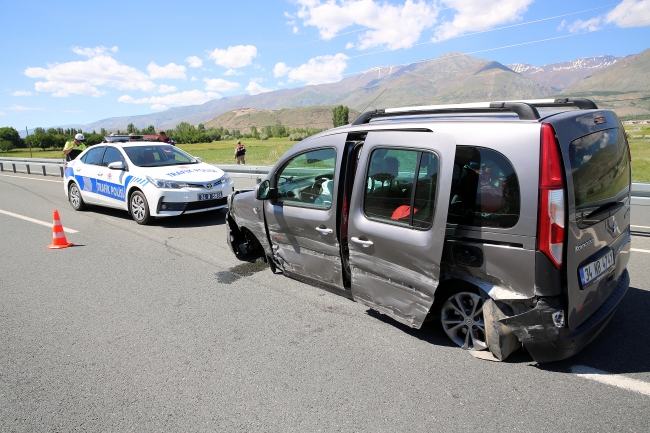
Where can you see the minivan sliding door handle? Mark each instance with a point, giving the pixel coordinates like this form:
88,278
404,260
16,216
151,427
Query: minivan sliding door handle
324,230
365,243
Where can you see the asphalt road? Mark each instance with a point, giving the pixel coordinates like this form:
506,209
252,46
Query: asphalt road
160,328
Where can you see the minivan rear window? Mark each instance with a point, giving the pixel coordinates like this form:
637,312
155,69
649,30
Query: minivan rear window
600,167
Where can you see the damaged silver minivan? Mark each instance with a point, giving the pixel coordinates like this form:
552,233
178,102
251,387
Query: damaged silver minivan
506,222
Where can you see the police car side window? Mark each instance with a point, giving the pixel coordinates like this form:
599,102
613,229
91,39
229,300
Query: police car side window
112,155
484,189
94,156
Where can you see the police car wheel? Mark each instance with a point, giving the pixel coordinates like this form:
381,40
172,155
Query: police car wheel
139,208
74,197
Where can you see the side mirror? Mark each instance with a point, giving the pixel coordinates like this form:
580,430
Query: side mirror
117,165
263,191
199,159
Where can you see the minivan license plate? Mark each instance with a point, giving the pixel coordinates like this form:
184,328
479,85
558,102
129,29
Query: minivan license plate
595,269
210,196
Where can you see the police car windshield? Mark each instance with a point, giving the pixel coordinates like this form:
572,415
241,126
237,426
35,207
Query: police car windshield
158,156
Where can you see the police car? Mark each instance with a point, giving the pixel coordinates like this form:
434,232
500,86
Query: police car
146,178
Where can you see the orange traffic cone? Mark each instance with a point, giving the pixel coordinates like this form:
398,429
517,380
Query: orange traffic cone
58,235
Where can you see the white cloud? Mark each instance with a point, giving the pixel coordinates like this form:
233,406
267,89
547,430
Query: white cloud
628,14
395,26
22,93
321,69
234,57
220,85
158,106
281,69
2,114
164,88
82,77
477,15
194,62
589,25
94,52
194,79
295,30
254,88
171,70
190,97
233,72
21,108
349,46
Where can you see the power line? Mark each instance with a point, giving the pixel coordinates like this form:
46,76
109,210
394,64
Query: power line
498,28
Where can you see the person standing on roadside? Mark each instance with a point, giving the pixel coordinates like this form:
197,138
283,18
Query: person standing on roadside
162,136
74,147
240,153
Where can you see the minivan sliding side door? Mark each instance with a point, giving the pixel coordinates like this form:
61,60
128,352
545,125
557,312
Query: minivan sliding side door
398,216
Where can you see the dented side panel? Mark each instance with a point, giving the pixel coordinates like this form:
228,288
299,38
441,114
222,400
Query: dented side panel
304,239
399,272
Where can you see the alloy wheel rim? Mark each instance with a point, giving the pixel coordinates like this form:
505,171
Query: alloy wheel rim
137,206
74,196
462,320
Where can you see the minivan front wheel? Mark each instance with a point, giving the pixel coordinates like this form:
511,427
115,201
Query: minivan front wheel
461,317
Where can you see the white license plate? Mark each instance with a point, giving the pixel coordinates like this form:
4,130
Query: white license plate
210,196
595,269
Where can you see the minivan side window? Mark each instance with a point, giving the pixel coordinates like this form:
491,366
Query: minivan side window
308,179
484,189
401,186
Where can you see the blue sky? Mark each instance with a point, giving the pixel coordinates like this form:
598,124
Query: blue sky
74,62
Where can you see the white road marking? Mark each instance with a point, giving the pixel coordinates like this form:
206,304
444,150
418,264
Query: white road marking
638,250
641,227
617,380
32,178
32,220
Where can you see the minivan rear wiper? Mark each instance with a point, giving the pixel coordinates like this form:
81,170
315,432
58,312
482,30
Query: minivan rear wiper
603,212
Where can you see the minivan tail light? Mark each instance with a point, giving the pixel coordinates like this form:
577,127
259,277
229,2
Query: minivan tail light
551,217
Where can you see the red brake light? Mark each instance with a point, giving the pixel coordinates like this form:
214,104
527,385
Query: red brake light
550,220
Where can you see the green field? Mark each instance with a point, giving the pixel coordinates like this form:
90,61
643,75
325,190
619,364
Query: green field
267,152
640,150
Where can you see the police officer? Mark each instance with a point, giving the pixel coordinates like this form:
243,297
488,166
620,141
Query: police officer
73,148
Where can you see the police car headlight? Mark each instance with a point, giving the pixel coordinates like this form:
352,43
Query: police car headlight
162,183
225,179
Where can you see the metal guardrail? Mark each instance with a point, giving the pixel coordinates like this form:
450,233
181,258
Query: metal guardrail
640,191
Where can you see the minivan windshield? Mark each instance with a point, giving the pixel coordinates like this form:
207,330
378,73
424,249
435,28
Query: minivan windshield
600,168
158,156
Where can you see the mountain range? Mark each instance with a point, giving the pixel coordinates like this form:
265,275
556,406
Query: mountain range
452,78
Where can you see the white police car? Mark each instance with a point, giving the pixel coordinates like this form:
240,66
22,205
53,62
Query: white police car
147,179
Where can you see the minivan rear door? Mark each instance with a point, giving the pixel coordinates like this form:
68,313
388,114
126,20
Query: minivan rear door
598,183
398,215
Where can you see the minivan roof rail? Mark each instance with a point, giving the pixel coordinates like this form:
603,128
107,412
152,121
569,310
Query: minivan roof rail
525,109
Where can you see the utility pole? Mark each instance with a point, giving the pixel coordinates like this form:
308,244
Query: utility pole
29,143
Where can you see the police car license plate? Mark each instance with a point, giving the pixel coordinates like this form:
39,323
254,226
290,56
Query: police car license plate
210,196
595,269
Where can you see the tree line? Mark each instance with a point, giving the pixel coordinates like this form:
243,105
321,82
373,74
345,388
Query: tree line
183,133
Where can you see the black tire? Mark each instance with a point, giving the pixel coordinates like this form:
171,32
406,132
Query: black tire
139,208
74,197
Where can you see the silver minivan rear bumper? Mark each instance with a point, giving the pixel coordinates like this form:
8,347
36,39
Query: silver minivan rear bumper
546,342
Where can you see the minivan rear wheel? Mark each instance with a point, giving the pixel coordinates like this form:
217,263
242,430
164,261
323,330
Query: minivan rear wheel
461,317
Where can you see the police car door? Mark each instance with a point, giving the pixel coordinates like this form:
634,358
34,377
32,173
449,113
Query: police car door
85,173
110,183
398,215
